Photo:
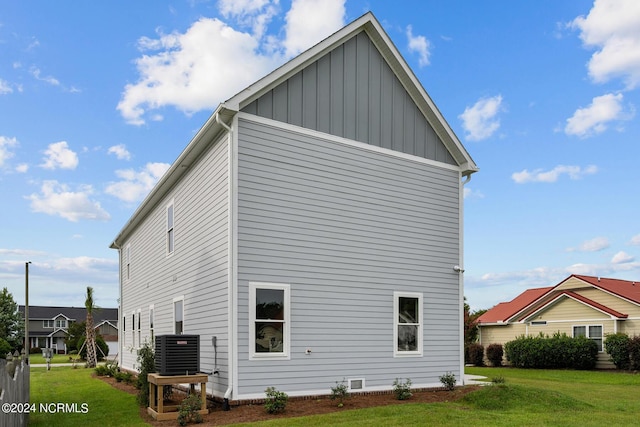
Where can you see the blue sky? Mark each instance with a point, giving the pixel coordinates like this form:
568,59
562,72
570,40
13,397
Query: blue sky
98,98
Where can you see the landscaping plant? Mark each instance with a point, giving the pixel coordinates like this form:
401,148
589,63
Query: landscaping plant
340,392
494,354
402,390
188,410
146,362
276,401
448,381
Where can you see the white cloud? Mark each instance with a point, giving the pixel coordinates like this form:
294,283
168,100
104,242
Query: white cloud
59,156
419,45
58,199
134,186
594,245
613,28
35,72
255,14
6,146
472,194
194,70
120,152
480,121
22,168
538,175
5,87
635,240
593,119
310,21
622,258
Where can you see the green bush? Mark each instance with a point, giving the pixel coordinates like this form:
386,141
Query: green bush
146,363
340,392
494,354
475,354
101,347
617,346
5,348
557,352
402,390
634,353
188,410
448,381
276,401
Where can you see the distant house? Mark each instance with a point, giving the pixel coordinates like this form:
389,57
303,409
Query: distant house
48,326
578,306
310,231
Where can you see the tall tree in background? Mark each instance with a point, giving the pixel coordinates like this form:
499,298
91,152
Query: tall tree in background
471,323
90,331
11,321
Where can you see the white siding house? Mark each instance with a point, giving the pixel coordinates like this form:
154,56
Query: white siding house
309,231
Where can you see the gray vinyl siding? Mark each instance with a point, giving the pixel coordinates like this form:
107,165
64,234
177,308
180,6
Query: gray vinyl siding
197,270
353,93
345,228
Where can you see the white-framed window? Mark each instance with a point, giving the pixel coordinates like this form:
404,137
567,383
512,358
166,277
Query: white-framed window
170,229
408,324
356,383
593,332
127,262
178,315
124,330
139,330
61,323
47,324
269,320
151,320
133,328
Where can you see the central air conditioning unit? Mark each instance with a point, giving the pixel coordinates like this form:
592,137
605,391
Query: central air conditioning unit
177,354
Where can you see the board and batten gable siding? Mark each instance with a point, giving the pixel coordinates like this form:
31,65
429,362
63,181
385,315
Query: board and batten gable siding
197,269
344,226
352,92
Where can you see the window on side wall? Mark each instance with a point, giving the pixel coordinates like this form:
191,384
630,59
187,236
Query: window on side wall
170,229
47,323
593,332
139,329
408,324
269,323
178,316
151,319
127,262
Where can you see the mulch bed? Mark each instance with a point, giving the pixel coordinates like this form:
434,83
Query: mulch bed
300,407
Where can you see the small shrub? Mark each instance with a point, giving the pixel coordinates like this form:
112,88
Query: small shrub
402,390
494,354
448,381
617,346
340,392
35,350
101,370
189,408
475,354
276,401
146,362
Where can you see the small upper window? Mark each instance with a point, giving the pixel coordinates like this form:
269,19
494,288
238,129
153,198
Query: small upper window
170,230
408,324
127,261
47,323
178,316
151,319
61,323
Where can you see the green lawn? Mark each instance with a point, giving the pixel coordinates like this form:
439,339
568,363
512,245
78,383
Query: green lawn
97,403
36,359
527,398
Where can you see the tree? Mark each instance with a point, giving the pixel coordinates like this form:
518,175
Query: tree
75,332
11,321
90,332
471,323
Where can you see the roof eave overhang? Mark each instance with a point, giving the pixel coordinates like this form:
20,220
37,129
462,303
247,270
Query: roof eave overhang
209,132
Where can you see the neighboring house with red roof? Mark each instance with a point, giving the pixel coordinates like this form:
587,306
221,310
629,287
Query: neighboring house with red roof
579,305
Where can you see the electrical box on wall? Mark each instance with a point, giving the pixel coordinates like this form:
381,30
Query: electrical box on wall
177,354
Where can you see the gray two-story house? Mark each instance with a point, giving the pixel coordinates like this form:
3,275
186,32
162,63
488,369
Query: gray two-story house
48,326
311,231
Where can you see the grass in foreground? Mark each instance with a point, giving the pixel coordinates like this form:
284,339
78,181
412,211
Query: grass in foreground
105,405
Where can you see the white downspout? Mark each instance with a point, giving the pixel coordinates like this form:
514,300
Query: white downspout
231,261
460,272
120,337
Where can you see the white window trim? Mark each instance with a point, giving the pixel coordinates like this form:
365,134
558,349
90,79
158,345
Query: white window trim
586,328
127,262
173,309
350,380
133,329
139,327
396,300
152,320
46,323
286,335
171,205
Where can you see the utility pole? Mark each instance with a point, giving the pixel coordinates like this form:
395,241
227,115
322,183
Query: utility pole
27,343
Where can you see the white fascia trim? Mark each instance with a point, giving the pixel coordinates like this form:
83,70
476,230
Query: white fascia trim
345,141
